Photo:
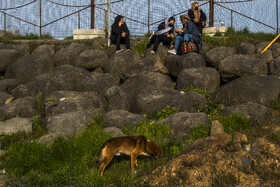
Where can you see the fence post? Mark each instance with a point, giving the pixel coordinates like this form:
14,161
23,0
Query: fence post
5,23
92,13
211,19
149,14
231,19
40,18
277,17
79,21
108,20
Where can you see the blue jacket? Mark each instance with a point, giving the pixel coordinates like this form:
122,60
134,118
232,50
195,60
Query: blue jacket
191,28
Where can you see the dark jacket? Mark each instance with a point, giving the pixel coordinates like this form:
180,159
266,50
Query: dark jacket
191,28
162,26
202,15
118,30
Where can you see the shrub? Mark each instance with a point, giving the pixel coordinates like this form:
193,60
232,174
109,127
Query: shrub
163,113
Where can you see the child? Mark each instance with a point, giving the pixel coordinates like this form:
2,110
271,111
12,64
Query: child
120,34
164,34
189,32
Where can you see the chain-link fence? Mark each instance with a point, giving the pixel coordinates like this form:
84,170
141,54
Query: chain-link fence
59,17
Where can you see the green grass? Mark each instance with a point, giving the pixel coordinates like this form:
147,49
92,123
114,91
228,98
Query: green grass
30,36
200,131
234,38
276,104
141,47
163,113
275,137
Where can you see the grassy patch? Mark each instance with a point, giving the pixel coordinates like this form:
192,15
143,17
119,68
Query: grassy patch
225,180
195,133
30,36
275,137
141,47
276,104
163,113
234,38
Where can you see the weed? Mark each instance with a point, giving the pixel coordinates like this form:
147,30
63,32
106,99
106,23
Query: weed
275,137
141,47
5,117
68,38
163,113
276,104
195,133
39,100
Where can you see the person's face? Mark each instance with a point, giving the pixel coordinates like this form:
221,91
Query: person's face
196,5
171,22
122,21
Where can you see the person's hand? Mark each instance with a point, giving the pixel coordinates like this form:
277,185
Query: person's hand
172,35
123,34
179,31
203,23
120,23
196,20
168,36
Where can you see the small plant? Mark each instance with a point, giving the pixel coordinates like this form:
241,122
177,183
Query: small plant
212,109
200,131
225,180
275,137
276,104
39,100
68,38
164,113
141,47
38,128
5,117
96,123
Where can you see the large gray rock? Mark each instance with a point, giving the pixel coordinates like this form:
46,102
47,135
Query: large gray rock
65,102
5,98
23,49
264,90
203,48
246,49
20,91
242,65
69,54
7,85
145,81
7,57
275,48
148,64
162,52
95,82
207,79
175,63
217,54
274,67
44,49
149,102
261,46
182,122
122,118
91,59
67,123
15,125
120,62
116,99
29,67
23,107
259,114
63,78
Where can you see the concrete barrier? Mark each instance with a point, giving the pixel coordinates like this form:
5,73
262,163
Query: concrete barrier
211,31
80,34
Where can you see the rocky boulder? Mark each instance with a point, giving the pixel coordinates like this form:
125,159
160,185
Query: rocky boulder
67,123
242,65
162,52
149,102
7,85
120,63
246,49
30,66
24,107
182,122
69,54
148,64
207,79
175,63
22,49
259,114
217,54
91,59
122,118
95,82
116,99
8,56
66,102
15,125
274,67
44,49
5,98
257,89
20,91
62,78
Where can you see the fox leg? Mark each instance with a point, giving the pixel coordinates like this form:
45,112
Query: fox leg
133,160
108,156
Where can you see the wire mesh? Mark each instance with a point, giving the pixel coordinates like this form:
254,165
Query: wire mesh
59,17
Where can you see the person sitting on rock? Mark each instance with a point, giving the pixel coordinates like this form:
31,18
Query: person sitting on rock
189,32
120,34
164,34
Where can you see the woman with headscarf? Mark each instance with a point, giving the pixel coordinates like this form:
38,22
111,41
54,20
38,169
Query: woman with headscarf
120,34
189,32
197,16
164,34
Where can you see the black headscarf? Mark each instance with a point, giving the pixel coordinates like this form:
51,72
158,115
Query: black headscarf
118,19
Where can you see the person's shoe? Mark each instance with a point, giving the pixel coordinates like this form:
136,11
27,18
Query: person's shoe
152,52
172,51
128,50
120,50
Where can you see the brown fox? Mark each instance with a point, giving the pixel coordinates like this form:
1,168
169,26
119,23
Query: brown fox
130,145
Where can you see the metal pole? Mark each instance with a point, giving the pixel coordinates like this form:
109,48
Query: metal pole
277,17
149,14
231,17
5,23
92,13
79,21
40,18
108,20
211,16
